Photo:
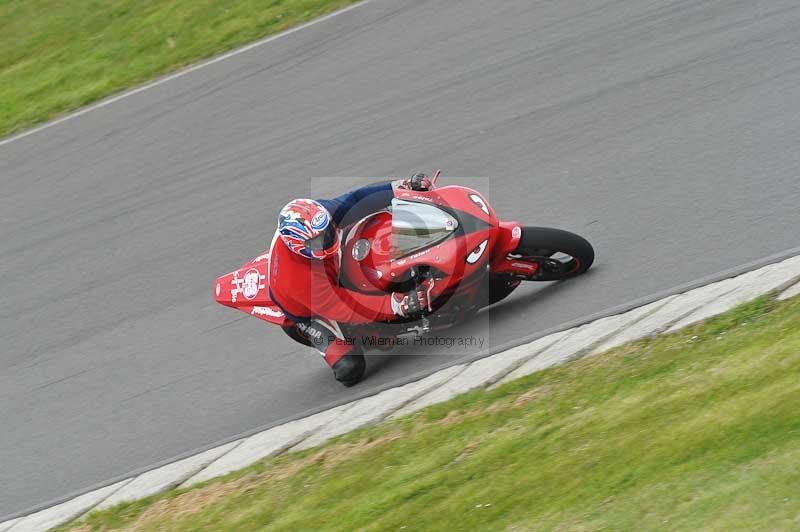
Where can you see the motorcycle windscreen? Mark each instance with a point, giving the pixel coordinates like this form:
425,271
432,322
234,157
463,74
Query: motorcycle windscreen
416,226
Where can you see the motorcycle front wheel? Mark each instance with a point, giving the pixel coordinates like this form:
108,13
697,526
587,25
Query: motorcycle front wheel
558,254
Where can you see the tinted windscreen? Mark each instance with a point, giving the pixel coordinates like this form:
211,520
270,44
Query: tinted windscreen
418,225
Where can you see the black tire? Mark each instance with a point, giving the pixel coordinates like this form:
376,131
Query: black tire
541,244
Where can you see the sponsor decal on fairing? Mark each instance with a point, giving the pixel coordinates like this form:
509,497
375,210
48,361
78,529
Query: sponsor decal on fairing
524,265
477,200
473,257
248,286
266,311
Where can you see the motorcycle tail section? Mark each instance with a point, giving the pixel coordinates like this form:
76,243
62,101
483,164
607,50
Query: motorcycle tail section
247,290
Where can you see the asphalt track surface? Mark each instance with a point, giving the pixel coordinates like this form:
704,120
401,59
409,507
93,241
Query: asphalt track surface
665,132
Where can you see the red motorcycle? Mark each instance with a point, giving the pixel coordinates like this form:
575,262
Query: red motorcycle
449,237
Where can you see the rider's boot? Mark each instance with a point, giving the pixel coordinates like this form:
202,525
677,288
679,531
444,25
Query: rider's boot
347,362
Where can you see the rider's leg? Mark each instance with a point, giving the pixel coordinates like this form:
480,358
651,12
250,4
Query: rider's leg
342,355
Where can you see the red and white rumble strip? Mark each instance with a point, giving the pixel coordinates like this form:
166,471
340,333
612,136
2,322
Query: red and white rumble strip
665,315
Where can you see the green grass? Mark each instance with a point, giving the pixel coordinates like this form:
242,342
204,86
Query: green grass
694,430
58,55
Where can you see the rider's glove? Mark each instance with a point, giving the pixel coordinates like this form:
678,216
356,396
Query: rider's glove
419,182
412,303
405,305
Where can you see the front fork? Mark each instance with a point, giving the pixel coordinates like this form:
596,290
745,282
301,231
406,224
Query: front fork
504,262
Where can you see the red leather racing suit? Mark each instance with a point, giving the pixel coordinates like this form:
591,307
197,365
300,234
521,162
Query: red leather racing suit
308,291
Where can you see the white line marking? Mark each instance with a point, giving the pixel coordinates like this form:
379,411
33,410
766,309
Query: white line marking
179,73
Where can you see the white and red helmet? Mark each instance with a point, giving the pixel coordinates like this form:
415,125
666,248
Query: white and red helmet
307,229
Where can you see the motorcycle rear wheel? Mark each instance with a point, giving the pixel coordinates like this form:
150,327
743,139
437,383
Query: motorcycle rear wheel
559,254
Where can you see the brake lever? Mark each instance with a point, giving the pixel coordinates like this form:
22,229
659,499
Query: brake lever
431,284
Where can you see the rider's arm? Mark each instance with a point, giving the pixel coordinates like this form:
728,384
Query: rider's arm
346,306
352,206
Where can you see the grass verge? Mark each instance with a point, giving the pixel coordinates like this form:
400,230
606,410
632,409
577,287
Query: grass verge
697,429
58,55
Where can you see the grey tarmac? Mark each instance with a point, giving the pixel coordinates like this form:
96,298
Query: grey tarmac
664,132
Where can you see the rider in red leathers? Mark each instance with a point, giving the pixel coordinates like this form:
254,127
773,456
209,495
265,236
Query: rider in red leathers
304,273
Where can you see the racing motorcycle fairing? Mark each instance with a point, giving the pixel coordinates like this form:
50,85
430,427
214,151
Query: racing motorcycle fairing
448,240
448,233
247,290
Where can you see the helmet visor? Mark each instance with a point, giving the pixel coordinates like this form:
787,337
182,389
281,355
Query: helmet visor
324,240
